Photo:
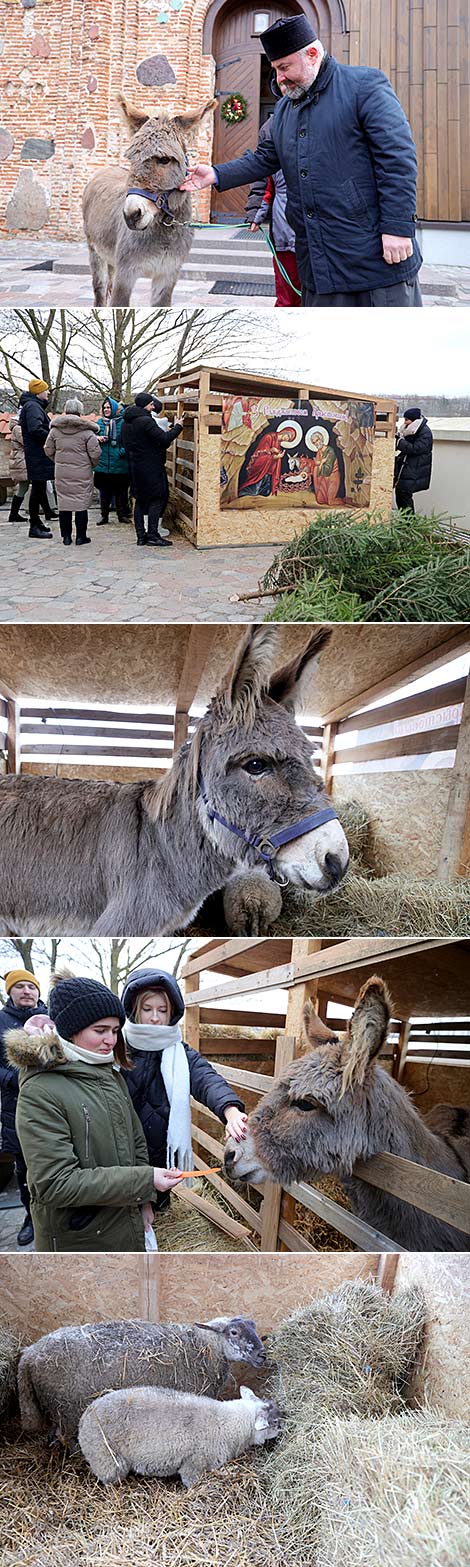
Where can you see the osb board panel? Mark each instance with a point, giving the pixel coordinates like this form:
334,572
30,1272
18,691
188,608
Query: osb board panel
407,813
446,1283
38,1294
260,525
437,1085
91,770
265,1287
143,664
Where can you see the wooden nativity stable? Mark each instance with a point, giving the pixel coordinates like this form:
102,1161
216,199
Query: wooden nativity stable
259,457
250,1045
117,702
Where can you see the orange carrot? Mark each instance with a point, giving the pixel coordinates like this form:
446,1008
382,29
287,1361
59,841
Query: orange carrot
185,1175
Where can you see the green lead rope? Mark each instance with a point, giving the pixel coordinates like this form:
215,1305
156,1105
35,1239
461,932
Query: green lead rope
268,242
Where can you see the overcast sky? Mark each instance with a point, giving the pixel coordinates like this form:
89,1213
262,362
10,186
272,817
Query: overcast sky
377,352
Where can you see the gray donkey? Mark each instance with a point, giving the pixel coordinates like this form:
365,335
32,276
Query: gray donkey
96,858
336,1106
137,224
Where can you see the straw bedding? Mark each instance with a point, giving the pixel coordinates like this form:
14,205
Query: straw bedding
339,1487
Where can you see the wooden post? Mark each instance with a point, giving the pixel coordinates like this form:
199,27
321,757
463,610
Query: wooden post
13,745
386,1271
192,1022
399,1058
272,1198
149,1287
297,996
454,858
181,729
328,755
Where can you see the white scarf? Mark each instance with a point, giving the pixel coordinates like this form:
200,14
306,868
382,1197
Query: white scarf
167,1041
74,1053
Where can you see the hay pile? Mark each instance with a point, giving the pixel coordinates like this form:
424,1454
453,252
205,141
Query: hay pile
381,906
9,1357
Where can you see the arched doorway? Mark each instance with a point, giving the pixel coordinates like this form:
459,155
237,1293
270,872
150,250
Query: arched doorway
231,35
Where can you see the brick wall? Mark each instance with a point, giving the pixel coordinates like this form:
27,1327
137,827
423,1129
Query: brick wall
62,67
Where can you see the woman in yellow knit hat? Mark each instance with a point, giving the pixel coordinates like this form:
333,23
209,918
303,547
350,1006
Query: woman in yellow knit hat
35,425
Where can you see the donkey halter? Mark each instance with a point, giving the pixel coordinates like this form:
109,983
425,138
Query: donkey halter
160,201
267,846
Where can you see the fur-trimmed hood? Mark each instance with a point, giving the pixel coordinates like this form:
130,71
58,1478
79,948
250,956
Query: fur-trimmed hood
34,1052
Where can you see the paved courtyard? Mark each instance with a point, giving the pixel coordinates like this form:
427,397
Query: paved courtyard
39,272
110,579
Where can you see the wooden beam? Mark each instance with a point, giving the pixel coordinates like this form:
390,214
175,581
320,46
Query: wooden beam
386,1272
181,728
217,1216
345,954
362,1234
198,650
457,642
399,1058
455,842
297,996
328,755
233,947
441,1195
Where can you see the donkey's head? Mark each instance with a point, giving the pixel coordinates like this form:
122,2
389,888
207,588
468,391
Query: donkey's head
318,1117
253,771
157,155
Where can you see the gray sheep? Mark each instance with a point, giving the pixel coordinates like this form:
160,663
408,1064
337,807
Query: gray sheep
153,1431
60,1374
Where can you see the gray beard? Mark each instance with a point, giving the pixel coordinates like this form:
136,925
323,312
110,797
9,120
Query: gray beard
294,93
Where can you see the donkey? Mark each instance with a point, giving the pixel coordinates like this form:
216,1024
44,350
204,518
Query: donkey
139,225
336,1106
138,859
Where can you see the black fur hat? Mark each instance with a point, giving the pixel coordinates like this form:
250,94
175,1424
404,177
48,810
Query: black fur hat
287,36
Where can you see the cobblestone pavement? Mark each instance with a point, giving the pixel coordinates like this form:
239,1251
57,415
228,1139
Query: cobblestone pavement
12,1214
112,580
237,257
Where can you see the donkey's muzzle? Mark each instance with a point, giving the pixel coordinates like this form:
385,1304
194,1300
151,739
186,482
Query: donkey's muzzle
133,218
334,870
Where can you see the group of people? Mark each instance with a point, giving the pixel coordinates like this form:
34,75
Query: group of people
95,1106
65,459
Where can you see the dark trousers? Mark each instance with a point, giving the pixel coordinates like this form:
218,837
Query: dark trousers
38,498
117,485
404,500
154,512
396,295
21,1176
65,524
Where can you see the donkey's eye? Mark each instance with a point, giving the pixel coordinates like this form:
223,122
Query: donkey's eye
257,765
306,1104
163,160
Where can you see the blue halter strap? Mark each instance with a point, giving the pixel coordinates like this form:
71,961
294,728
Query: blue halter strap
267,845
160,200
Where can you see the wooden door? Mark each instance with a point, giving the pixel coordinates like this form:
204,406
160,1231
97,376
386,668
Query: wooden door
238,56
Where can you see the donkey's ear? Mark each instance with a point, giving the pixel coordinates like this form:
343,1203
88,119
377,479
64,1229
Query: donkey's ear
316,1032
134,117
284,684
366,1032
194,116
250,673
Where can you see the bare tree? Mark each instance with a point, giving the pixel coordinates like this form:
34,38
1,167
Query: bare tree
45,337
31,950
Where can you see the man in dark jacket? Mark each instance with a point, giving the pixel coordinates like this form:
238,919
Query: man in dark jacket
413,462
22,1002
145,444
35,425
344,145
146,1081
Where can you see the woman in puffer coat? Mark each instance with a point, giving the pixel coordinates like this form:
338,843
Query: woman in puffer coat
73,444
165,1071
84,1148
17,470
413,461
112,472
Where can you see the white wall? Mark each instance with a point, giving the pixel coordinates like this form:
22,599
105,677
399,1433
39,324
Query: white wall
450,483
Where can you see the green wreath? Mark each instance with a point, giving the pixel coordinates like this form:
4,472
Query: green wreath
234,109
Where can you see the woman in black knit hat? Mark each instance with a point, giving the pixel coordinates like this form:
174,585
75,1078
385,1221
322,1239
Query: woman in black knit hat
83,1144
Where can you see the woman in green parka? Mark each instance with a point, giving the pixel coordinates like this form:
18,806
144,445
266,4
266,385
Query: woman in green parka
112,472
83,1144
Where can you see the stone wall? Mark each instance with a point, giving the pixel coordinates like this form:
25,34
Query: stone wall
62,68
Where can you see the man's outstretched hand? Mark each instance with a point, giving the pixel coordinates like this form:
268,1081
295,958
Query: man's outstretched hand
199,178
395,248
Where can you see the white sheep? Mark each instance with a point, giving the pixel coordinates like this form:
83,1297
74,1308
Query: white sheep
155,1431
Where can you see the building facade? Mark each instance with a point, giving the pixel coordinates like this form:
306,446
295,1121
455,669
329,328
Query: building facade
64,63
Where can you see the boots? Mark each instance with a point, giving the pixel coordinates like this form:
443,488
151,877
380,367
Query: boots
16,515
38,531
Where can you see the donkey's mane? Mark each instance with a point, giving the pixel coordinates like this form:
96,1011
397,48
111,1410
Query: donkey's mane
181,779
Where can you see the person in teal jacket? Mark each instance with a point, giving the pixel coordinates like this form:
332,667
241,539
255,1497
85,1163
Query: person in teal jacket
112,473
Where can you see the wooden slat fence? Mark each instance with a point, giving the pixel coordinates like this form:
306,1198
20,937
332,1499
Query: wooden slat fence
266,1040
409,727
